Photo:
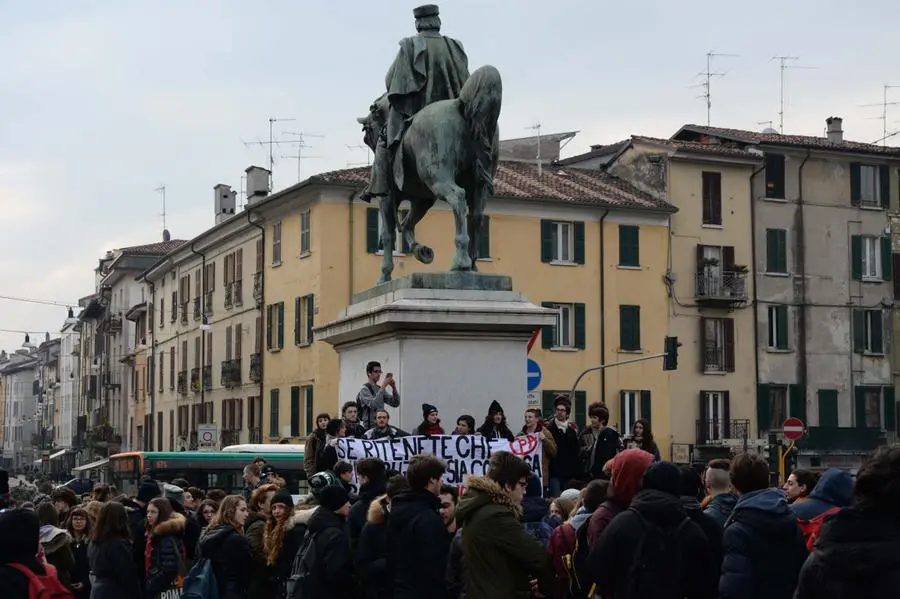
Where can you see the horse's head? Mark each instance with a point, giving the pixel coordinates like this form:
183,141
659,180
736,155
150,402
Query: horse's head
374,122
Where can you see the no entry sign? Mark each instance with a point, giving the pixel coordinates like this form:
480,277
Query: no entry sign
793,429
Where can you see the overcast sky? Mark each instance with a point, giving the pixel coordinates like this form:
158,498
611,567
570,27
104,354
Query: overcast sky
103,101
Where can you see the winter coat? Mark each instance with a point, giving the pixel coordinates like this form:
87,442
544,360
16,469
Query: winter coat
260,584
294,531
57,546
625,479
534,514
370,559
720,507
614,560
417,546
491,431
191,534
327,458
834,489
499,557
166,554
355,430
390,432
594,453
333,577
763,548
711,529
311,450
137,524
114,571
82,571
857,555
548,448
358,517
562,543
232,560
456,588
15,584
564,466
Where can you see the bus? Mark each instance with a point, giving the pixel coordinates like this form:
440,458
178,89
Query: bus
204,469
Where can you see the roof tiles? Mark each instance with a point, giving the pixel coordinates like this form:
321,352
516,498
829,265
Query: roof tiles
805,141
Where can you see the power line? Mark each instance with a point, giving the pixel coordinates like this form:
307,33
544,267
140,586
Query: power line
38,301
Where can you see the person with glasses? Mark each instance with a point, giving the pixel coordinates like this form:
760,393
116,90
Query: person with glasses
564,465
373,397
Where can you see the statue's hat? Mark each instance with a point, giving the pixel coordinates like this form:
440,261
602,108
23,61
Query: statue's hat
428,10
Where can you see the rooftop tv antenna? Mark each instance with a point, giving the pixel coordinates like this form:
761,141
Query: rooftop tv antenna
708,75
301,144
363,147
161,190
271,143
884,110
537,128
782,60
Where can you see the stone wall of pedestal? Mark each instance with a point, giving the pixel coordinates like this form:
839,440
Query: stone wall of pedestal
454,340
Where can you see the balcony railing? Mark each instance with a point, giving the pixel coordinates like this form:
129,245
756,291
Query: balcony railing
715,431
115,323
835,438
255,367
727,287
183,382
112,380
238,293
258,286
195,379
255,435
231,373
197,312
207,377
230,438
714,358
229,292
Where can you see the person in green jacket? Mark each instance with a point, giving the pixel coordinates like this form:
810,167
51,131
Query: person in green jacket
500,558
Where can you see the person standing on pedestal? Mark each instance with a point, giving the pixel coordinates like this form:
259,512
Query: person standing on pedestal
372,397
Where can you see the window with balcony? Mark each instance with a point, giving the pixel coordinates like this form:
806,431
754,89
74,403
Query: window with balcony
868,332
569,330
711,184
304,315
562,242
778,327
718,279
717,343
276,244
870,185
304,233
255,418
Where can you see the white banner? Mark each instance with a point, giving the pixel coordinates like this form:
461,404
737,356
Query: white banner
463,454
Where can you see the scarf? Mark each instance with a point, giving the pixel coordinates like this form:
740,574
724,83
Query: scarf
148,551
432,429
561,424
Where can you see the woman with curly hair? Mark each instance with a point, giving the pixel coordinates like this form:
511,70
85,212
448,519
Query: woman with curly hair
283,539
255,531
93,510
101,492
228,550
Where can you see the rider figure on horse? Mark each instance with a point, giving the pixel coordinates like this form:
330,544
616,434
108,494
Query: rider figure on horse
429,67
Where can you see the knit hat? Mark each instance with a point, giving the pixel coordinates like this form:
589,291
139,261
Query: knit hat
427,409
173,494
148,490
333,498
283,496
570,494
662,476
20,531
494,408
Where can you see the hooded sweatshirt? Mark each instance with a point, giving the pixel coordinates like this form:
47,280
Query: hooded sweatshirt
834,489
627,469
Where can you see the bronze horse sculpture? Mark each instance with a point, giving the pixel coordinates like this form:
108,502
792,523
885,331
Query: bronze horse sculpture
450,152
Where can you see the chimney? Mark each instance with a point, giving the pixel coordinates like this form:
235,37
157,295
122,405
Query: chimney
257,183
166,235
834,131
224,202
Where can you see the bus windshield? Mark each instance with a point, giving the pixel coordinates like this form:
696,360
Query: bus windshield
125,472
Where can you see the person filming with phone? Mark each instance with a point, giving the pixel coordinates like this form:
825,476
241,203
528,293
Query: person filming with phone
373,397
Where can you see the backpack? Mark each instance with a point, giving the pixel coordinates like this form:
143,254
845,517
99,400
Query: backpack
300,583
810,528
656,548
200,582
47,586
574,562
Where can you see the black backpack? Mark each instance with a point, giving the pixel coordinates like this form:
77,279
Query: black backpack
300,584
657,549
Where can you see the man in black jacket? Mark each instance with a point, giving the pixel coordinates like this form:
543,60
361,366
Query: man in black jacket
417,541
599,442
137,521
372,476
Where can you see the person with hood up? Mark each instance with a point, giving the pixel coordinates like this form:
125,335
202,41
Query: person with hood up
762,544
494,426
564,465
18,549
691,489
535,426
564,537
371,549
350,414
313,443
56,543
625,479
721,499
333,577
535,510
431,421
228,550
163,547
653,549
372,476
833,491
500,558
858,550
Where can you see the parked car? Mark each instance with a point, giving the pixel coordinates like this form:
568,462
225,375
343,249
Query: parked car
81,486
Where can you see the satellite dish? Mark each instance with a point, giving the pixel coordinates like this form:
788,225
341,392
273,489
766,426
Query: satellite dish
770,130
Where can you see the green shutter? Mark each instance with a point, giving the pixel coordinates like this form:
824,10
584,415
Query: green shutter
548,240
630,328
580,408
828,407
269,326
310,316
484,238
273,413
859,331
372,238
280,337
295,411
548,332
855,192
797,402
646,406
579,242
762,408
887,258
297,321
884,183
776,250
859,402
547,397
580,331
781,327
856,257
876,317
629,245
890,409
309,410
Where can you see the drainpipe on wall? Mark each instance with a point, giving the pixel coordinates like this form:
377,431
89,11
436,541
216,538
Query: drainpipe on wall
755,298
202,336
152,364
351,224
602,310
262,303
800,236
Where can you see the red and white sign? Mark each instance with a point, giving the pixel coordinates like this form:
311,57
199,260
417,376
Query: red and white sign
793,429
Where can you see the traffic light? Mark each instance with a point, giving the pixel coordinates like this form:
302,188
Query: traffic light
670,360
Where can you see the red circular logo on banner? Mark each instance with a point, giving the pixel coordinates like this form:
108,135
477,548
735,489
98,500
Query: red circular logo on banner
523,445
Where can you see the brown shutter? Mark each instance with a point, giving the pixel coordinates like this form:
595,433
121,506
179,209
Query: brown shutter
728,258
728,334
703,420
702,338
726,415
700,258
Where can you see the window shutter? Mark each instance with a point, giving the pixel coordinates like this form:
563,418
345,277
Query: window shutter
771,250
548,331
622,413
890,409
855,192
646,406
728,334
781,327
877,330
269,326
700,259
297,321
273,413
547,398
887,259
828,407
728,258
726,416
548,238
309,409
310,316
859,331
702,338
580,330
295,411
579,409
797,402
859,400
579,242
703,420
630,328
762,408
280,324
372,238
484,238
629,245
884,181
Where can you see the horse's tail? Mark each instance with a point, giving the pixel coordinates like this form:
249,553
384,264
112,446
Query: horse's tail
480,100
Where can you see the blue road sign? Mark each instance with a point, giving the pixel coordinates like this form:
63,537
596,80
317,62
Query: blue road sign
533,375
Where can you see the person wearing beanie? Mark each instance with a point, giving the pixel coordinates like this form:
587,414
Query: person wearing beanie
137,520
431,421
333,578
282,538
494,426
653,549
20,534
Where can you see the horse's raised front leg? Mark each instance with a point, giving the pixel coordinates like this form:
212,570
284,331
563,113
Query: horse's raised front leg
417,210
388,213
455,196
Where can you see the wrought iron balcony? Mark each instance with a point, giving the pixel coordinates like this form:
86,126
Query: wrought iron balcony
715,431
207,377
258,287
195,379
714,358
183,382
229,292
238,293
231,373
853,440
725,288
197,312
256,435
255,367
112,380
114,323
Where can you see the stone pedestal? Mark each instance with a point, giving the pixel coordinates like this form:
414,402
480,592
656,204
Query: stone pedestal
454,340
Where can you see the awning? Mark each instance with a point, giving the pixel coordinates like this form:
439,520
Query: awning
57,454
91,466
